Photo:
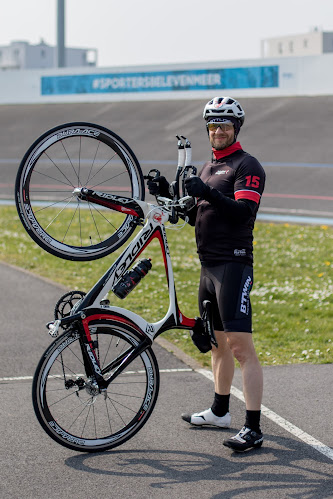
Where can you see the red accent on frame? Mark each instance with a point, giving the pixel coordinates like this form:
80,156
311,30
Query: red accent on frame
113,206
158,235
185,321
86,321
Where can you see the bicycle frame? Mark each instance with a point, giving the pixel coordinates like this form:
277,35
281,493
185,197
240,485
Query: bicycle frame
95,307
156,217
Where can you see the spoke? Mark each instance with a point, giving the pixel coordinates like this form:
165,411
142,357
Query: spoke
69,159
93,410
119,354
70,223
118,360
108,180
100,239
65,365
58,216
101,168
40,191
62,173
100,213
109,418
123,382
110,343
84,408
69,183
113,402
85,422
54,204
92,166
80,225
80,161
62,399
115,408
124,395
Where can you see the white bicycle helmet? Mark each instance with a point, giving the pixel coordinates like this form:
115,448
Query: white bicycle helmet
224,106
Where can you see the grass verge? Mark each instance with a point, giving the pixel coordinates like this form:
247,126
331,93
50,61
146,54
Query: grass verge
292,296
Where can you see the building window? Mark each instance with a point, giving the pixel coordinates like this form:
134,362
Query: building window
291,46
305,43
280,48
43,54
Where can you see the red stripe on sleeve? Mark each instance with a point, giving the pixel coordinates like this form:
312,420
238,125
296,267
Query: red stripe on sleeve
250,195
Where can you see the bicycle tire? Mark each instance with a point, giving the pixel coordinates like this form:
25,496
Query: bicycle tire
82,419
75,155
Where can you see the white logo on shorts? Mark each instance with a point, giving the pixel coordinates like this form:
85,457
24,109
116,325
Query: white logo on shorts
245,299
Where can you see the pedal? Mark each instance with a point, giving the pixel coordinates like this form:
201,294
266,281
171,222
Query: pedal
53,328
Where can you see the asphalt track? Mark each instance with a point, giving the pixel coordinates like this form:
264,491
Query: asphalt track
292,138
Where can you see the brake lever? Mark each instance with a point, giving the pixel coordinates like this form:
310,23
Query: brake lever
151,177
186,171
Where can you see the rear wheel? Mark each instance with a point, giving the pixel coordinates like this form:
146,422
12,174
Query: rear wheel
70,156
68,404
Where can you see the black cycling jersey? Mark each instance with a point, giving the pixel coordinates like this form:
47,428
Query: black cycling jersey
224,224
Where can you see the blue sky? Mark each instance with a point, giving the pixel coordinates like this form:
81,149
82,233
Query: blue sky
167,31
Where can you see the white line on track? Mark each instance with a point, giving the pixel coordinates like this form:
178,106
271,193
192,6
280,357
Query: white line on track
294,430
280,421
29,378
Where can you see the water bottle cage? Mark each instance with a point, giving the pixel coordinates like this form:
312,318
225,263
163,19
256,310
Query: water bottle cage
131,278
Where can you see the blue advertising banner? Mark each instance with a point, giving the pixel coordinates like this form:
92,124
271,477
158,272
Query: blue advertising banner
162,81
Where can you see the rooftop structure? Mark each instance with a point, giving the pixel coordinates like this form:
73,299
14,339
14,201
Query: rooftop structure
316,42
22,55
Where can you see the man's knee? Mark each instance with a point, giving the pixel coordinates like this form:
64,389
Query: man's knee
222,342
241,346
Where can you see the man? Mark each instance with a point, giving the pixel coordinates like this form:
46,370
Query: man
229,190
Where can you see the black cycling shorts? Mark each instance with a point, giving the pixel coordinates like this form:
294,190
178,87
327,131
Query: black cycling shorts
228,287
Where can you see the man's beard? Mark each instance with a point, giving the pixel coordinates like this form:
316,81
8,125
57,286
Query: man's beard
216,144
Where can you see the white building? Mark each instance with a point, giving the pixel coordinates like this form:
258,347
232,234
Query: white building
315,42
22,55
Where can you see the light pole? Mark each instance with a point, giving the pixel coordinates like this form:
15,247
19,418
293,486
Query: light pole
61,34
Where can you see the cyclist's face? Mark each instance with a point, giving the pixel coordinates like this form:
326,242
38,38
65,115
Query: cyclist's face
220,139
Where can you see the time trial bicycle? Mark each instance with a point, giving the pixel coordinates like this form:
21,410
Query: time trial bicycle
80,196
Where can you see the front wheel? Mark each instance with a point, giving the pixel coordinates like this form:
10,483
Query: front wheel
70,407
68,157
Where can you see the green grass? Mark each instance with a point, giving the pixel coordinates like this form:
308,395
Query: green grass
292,298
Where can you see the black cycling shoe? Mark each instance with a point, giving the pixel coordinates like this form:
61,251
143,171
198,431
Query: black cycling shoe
244,440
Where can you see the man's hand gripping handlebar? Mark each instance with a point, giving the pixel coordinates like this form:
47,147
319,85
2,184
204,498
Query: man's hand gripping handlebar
169,194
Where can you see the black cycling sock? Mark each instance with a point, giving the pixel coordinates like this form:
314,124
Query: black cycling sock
253,420
220,405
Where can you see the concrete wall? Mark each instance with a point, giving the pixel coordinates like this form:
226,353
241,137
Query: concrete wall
292,76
